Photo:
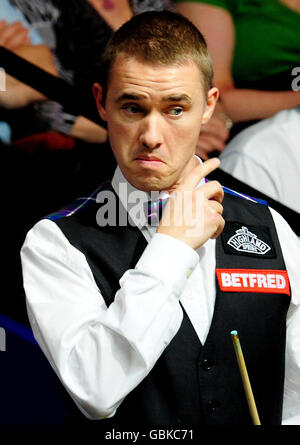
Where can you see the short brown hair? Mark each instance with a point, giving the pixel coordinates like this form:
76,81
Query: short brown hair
159,38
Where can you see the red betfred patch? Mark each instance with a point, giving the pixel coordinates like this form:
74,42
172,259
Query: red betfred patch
253,280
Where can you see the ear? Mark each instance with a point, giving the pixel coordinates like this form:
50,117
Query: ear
98,95
212,98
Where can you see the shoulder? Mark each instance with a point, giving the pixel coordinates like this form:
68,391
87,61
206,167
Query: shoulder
79,205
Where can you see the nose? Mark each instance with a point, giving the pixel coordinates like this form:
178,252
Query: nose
150,133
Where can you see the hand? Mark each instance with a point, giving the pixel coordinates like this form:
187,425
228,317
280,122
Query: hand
213,135
195,215
13,35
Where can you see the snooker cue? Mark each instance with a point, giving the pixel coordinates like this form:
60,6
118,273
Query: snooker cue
245,378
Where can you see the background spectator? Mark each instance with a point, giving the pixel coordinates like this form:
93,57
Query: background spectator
18,36
266,157
254,46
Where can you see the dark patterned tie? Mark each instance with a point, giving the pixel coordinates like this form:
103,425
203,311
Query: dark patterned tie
154,211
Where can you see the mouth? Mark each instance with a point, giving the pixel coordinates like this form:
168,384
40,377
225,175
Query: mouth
148,160
149,163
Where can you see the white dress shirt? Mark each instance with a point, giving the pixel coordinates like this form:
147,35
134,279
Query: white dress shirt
100,353
266,157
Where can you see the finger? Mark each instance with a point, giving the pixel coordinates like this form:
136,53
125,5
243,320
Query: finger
16,26
209,166
213,191
220,228
199,172
215,206
19,39
216,210
11,30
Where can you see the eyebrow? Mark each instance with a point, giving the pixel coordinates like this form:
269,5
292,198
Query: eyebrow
177,98
127,96
139,97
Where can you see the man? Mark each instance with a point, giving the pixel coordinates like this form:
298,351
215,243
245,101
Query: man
131,316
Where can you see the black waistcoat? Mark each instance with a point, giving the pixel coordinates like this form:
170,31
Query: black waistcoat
191,383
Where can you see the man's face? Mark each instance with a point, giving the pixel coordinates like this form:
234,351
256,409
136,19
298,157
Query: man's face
154,115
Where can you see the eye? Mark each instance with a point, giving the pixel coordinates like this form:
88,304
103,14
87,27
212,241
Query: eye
131,108
176,111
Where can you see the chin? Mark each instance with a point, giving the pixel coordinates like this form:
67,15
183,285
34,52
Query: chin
152,184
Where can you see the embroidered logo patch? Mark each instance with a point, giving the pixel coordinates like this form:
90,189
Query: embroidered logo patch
247,240
253,280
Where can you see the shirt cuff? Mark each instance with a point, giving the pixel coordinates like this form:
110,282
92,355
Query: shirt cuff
169,260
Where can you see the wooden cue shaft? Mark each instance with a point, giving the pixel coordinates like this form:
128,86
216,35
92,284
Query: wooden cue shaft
245,378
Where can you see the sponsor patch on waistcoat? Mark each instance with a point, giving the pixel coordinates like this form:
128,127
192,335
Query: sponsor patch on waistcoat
253,280
248,240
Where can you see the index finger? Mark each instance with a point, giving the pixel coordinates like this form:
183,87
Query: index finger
199,172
